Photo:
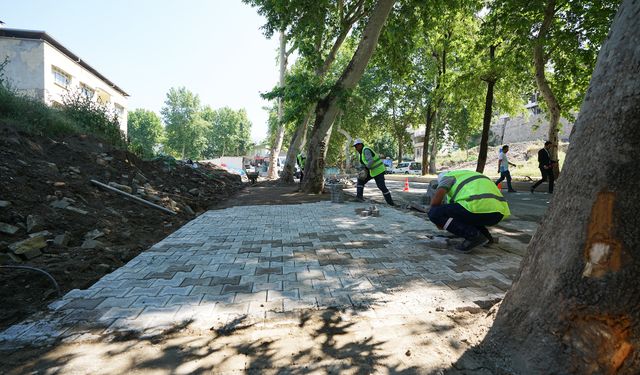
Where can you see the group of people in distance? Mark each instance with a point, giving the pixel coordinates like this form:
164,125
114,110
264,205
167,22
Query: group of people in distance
465,202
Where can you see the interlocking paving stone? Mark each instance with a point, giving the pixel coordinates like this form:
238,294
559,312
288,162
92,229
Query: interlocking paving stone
264,261
242,288
235,280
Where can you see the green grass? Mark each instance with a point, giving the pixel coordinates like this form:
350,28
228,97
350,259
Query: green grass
75,117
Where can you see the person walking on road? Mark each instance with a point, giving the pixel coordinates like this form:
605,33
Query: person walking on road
546,167
473,202
373,168
503,168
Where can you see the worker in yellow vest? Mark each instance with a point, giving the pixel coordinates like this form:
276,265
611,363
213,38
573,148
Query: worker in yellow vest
373,168
465,203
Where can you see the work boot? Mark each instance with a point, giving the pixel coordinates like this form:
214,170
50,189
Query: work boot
469,244
359,199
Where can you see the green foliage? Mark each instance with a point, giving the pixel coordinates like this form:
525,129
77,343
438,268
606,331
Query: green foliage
77,115
229,132
185,131
145,132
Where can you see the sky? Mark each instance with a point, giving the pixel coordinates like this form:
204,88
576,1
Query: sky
215,48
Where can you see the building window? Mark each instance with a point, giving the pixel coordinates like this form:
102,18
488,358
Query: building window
60,77
119,110
87,91
103,97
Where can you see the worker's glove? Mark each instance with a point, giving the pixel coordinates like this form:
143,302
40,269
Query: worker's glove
362,175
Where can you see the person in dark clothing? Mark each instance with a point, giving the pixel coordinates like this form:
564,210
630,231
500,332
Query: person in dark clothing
372,168
546,167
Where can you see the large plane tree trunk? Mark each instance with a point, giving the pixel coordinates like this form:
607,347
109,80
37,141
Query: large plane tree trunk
488,110
272,173
297,141
540,61
573,307
328,108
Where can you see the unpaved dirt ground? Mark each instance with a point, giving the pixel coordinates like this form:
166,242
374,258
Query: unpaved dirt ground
328,341
38,172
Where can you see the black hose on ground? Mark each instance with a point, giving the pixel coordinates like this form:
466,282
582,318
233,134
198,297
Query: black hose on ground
41,271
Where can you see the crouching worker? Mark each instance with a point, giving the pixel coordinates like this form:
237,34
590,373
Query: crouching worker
473,202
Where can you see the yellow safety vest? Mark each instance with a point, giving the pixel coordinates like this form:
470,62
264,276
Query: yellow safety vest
377,167
476,193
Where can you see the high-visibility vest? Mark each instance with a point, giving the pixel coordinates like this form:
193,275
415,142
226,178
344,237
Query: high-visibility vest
476,193
377,167
301,159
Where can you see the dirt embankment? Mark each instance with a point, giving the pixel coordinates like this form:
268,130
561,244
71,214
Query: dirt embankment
53,218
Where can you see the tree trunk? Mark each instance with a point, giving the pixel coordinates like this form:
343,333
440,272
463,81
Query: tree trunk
297,141
277,142
434,152
574,305
425,143
486,121
321,71
328,108
540,60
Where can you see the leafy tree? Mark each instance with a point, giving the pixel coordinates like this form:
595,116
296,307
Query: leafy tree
228,132
145,131
562,39
573,307
184,130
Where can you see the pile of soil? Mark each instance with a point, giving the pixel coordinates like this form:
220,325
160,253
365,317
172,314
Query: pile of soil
82,231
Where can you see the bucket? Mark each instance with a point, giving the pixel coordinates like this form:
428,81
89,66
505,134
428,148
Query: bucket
337,196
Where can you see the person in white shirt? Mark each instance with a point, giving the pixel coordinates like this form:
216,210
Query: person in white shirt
503,168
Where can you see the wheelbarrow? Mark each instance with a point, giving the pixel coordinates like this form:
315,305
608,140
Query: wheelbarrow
253,177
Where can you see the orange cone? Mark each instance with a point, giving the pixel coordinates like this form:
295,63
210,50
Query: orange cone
406,185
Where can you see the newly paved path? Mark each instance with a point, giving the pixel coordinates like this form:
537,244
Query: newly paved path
265,263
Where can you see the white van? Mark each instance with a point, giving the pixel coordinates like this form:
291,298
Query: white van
408,167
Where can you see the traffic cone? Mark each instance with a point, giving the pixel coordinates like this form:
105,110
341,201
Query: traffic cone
499,185
406,185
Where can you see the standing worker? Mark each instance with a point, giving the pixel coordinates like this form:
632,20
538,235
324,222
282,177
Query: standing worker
473,203
300,159
373,168
545,164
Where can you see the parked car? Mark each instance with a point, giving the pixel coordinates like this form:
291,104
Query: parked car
407,167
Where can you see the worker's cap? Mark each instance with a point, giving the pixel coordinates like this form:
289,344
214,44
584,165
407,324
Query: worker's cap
358,141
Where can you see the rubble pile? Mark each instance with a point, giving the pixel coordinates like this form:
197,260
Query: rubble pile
54,218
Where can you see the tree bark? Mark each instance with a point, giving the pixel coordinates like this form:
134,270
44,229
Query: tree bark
486,121
540,60
328,108
297,141
425,144
573,307
434,152
272,173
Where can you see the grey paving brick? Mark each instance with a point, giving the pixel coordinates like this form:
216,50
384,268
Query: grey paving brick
196,281
108,292
214,298
144,301
269,270
248,297
274,295
267,286
118,312
180,290
117,302
185,300
206,289
242,288
85,303
151,292
235,280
